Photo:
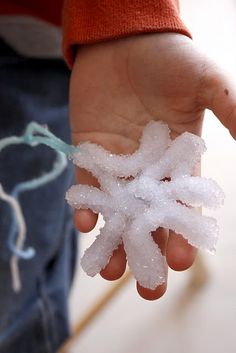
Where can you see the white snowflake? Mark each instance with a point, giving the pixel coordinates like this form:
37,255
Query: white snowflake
141,192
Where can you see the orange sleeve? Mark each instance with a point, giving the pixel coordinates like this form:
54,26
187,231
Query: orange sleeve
93,21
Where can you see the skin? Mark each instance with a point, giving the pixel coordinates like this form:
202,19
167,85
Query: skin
117,87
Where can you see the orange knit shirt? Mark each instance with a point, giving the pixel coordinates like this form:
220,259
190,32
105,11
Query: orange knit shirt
91,21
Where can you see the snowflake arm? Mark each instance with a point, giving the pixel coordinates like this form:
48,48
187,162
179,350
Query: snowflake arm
143,254
194,191
98,255
200,231
179,159
84,197
95,158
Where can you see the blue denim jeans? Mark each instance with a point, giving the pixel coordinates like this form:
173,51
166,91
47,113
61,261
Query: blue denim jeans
35,320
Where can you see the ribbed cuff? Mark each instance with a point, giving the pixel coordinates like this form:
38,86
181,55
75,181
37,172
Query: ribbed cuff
94,21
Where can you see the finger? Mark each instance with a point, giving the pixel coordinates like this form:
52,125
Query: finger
150,294
219,95
116,266
85,220
180,255
161,237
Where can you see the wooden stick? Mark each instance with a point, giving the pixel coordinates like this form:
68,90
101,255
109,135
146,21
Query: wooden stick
92,313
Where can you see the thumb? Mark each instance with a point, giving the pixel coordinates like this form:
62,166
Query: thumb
220,96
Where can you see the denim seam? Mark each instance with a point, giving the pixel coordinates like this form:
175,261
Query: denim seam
52,320
45,325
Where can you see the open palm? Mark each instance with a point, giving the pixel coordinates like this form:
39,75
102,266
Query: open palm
117,87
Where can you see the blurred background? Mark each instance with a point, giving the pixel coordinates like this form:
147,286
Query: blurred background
195,316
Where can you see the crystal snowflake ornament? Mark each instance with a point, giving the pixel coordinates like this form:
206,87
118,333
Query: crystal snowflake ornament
139,193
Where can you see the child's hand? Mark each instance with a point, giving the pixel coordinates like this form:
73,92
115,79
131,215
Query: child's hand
118,86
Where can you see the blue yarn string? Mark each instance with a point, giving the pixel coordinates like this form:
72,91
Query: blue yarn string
45,137
34,135
58,167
